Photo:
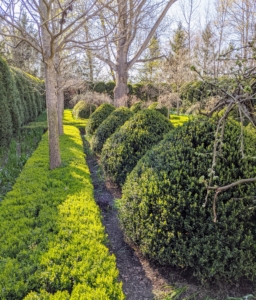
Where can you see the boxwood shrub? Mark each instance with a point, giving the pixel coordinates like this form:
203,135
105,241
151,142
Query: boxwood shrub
163,110
52,242
99,115
136,107
162,208
83,110
127,145
116,119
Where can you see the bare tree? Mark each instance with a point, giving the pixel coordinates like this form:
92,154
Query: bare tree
137,22
55,30
189,10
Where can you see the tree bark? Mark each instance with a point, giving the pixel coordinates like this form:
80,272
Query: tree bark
60,96
50,85
52,114
121,88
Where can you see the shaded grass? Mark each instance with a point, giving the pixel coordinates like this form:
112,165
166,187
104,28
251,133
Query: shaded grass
13,158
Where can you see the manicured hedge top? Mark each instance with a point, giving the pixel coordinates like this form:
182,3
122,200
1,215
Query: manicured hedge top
162,206
127,145
116,119
96,118
51,236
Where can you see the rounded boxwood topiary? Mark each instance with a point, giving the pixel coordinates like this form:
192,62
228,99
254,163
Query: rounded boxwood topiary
163,110
83,110
162,208
136,107
116,119
98,116
127,145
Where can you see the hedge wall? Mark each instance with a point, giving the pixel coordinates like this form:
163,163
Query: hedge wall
20,101
52,242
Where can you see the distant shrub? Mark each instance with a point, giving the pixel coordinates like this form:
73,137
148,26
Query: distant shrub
127,145
136,107
163,110
99,115
116,119
162,209
110,86
83,110
90,97
100,87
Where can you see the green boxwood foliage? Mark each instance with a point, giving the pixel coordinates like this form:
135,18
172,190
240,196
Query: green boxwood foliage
99,115
110,86
21,90
20,101
8,90
52,242
83,110
163,110
100,87
162,209
116,119
136,107
31,91
127,145
5,119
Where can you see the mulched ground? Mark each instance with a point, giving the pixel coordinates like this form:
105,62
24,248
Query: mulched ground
143,279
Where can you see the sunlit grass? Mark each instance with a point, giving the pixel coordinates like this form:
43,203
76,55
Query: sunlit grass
178,120
68,119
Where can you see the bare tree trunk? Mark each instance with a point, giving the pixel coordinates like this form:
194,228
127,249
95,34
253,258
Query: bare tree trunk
60,96
52,114
121,88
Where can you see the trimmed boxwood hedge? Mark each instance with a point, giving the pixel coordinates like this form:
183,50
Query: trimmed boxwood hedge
52,242
83,110
127,145
162,209
96,118
116,119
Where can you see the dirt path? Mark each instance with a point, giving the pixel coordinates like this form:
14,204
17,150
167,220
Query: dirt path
136,285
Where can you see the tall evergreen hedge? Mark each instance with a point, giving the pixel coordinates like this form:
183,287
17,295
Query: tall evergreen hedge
8,90
162,208
21,100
